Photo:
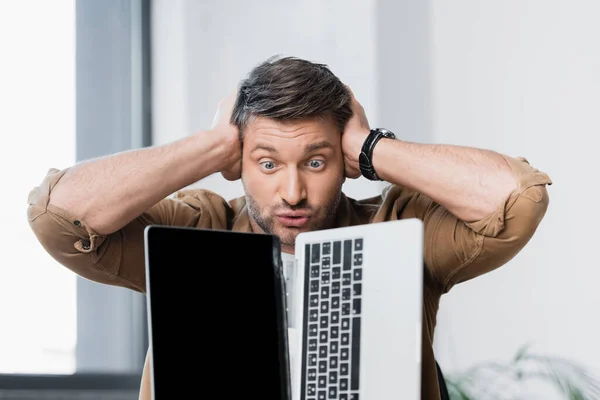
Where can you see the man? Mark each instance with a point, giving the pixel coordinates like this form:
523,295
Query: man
293,133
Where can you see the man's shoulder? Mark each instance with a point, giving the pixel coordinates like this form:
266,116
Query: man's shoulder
206,200
389,192
370,209
194,196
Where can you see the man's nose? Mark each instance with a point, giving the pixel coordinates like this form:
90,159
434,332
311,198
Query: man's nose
293,190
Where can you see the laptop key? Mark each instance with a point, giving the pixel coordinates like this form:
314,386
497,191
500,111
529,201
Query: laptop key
335,332
325,307
333,347
314,285
345,324
358,274
311,388
333,392
347,254
325,292
323,336
355,355
337,253
345,338
322,395
326,262
336,273
312,344
346,279
324,323
314,271
346,294
326,248
312,374
312,330
357,289
358,244
332,377
335,302
353,396
343,384
333,362
312,360
356,306
343,396
335,317
314,300
344,369
357,259
323,354
315,253
325,278
314,315
322,381
346,308
344,354
335,287
322,366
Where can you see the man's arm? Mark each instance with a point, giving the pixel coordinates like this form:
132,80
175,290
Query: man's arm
146,382
109,192
470,183
91,217
479,207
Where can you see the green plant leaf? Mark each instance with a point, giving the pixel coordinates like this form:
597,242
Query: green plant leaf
494,381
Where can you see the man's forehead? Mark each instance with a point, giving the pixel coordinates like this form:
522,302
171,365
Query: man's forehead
268,127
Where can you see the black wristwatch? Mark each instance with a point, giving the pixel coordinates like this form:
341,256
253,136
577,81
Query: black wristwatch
365,159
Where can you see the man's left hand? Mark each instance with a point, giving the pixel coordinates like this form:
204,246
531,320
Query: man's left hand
356,131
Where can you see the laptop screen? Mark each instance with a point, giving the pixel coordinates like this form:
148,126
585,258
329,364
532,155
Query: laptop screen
216,314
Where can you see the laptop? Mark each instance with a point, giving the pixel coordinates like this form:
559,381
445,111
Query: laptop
216,314
353,297
358,297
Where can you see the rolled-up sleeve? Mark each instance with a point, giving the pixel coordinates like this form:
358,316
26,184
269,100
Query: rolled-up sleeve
116,259
456,251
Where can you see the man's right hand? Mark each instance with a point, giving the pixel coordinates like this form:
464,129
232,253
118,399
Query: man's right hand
231,138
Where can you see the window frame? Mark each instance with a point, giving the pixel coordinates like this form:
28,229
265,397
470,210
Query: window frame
113,113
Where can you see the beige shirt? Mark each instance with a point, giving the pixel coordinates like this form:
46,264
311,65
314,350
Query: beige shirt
454,251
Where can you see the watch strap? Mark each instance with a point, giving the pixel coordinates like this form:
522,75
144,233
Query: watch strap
365,158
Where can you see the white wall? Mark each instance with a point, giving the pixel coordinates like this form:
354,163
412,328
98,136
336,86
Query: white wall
520,77
523,78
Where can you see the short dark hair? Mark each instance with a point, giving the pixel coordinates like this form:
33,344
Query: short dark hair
290,88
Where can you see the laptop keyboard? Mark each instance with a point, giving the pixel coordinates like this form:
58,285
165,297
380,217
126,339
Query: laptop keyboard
332,300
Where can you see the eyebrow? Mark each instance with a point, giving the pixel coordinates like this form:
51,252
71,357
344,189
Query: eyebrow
318,146
308,149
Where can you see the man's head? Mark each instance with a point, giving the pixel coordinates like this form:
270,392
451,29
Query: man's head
291,114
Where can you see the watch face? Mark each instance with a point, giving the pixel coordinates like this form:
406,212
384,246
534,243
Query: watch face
387,133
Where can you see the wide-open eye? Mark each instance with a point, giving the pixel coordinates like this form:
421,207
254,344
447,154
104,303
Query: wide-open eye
268,165
316,164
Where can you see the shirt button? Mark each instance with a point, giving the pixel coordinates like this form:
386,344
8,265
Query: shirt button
77,223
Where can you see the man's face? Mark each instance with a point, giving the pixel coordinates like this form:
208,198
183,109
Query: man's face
292,174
